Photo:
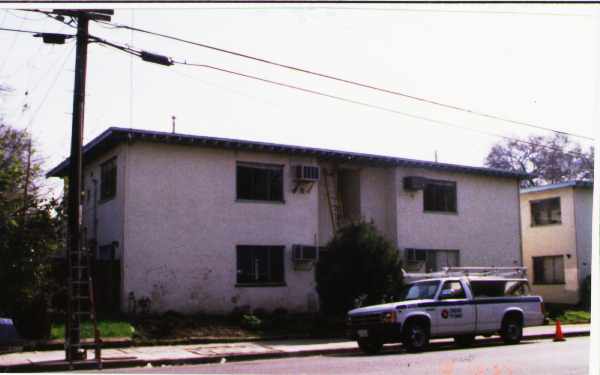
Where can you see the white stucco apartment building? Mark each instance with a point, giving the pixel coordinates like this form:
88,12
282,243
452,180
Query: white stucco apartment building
210,224
557,238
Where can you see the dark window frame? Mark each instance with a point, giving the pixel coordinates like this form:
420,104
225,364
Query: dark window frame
108,192
250,273
539,278
451,206
270,195
544,204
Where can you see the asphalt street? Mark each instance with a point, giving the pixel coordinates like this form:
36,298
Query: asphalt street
530,357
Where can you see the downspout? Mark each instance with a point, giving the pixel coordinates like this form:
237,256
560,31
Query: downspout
95,182
519,222
123,221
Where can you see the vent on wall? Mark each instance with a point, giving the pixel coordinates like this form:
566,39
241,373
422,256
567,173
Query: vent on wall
414,183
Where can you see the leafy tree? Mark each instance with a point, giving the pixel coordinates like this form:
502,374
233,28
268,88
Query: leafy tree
547,159
360,266
30,227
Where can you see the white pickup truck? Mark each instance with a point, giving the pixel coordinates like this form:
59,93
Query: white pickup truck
454,304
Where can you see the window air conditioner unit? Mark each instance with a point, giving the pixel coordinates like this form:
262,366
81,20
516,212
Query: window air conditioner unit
414,183
306,173
303,253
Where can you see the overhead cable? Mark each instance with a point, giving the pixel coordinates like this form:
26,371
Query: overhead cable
140,53
344,80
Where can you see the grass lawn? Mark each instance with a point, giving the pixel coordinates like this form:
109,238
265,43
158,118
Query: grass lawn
108,328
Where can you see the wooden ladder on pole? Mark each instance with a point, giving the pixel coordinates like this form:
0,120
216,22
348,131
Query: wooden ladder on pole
82,305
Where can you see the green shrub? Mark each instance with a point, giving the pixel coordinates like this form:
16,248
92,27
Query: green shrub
360,267
250,321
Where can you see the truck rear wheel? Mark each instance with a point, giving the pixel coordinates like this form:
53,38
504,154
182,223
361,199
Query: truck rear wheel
416,336
512,330
370,346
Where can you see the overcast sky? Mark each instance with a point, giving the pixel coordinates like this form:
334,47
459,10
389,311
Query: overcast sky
529,63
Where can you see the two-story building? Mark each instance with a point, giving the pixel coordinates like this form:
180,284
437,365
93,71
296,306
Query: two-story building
211,224
557,238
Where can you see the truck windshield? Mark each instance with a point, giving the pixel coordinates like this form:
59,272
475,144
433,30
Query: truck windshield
421,290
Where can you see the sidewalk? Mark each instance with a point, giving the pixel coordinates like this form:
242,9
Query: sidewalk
211,353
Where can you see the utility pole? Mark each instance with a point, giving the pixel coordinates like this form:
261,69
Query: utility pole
79,283
72,325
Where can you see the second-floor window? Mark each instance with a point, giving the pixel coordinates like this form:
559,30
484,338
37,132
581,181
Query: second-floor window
545,212
108,179
439,196
260,182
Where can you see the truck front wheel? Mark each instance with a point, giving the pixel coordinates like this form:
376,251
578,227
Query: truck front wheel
416,336
370,346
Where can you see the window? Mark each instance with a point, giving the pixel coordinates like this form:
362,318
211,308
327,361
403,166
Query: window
499,288
420,290
260,182
452,290
260,265
548,270
545,212
439,196
108,179
426,260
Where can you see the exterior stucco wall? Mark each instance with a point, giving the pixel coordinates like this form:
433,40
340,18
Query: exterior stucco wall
377,198
583,230
107,214
183,224
552,240
485,228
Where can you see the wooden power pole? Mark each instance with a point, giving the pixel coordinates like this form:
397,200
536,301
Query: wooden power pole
78,274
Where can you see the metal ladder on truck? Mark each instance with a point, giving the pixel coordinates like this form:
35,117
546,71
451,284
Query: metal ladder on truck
81,305
501,272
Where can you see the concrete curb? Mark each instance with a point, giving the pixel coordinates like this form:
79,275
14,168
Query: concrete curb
50,366
116,343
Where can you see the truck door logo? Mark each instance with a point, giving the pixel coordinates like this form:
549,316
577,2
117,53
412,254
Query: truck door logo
452,313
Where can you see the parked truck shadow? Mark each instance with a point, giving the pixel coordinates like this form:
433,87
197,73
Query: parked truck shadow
392,349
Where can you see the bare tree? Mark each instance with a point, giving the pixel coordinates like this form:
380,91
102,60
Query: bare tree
547,160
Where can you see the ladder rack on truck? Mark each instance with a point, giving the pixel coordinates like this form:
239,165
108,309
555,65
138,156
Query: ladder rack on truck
504,272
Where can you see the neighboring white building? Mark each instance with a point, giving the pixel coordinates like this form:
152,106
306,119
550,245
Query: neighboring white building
557,238
209,224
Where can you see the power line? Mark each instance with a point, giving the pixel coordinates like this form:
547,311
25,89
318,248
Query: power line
368,105
318,6
58,73
139,53
24,18
12,45
347,81
20,30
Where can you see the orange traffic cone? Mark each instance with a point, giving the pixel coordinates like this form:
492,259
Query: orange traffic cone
558,335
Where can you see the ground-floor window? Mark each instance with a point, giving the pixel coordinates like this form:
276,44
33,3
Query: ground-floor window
549,270
430,260
260,265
